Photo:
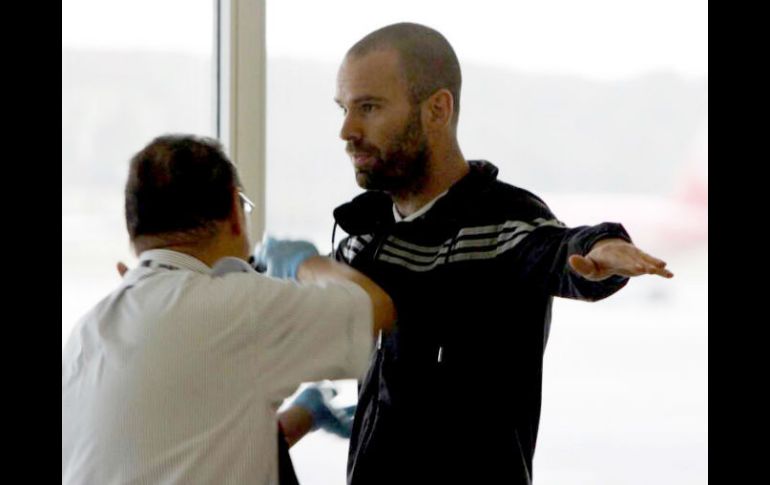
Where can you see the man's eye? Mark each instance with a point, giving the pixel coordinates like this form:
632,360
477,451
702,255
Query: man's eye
368,107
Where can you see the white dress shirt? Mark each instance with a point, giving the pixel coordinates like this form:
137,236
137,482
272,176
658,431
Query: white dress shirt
176,376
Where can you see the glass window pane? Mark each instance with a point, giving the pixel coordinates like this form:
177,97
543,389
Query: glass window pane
130,71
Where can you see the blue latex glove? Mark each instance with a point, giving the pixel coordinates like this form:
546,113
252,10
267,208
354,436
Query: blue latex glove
281,258
316,399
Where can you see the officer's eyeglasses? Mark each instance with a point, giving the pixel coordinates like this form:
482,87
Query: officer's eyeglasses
248,205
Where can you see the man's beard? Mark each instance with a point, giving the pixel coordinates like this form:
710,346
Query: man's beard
402,168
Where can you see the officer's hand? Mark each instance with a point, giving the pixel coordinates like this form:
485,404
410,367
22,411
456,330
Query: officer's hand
281,258
316,399
122,268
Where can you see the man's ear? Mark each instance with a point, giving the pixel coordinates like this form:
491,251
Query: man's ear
439,108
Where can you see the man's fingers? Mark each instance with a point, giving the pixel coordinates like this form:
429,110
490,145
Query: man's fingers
658,263
662,272
647,266
653,265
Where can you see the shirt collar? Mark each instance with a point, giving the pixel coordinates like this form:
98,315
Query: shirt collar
372,211
167,257
421,211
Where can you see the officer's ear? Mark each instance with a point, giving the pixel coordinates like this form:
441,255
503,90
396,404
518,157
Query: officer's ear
237,219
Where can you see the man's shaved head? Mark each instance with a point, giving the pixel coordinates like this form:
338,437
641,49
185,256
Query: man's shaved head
427,60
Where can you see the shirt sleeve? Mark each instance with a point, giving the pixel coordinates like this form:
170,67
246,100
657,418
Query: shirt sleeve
545,252
564,282
309,332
